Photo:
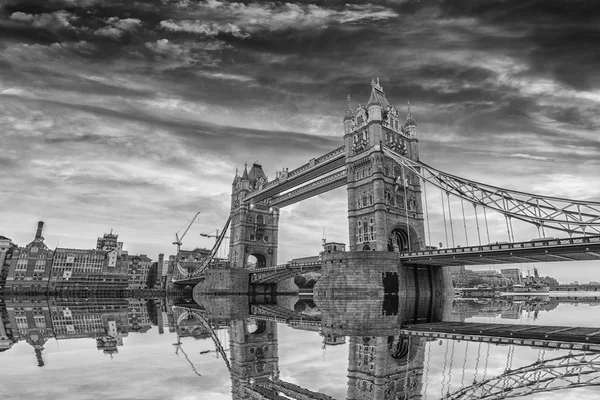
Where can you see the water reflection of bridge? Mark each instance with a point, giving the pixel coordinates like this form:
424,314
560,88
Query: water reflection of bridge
394,364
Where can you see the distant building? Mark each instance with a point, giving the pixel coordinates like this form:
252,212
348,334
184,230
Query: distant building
78,269
138,267
514,274
138,316
329,247
30,266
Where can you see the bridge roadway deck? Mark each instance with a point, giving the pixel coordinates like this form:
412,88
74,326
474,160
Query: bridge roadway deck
560,337
551,250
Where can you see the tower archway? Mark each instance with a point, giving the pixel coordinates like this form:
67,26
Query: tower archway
402,239
256,260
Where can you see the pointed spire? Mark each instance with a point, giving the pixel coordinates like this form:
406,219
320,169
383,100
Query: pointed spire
409,117
245,174
377,96
349,113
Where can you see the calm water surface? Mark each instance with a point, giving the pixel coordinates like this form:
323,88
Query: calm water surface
148,349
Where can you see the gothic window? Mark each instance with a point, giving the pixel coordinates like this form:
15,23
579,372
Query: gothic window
397,171
358,202
366,231
260,220
370,199
359,232
386,171
21,264
364,199
370,171
251,236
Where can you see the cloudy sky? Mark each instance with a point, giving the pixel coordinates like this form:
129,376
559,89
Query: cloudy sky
135,115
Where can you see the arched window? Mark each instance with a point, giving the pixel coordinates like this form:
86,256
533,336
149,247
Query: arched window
359,233
364,199
397,171
260,219
370,199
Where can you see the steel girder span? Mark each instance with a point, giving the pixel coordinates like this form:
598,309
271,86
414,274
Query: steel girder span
571,216
568,372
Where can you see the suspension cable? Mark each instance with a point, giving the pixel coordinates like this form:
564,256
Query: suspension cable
487,359
428,344
407,371
477,362
444,214
426,212
450,368
444,370
487,229
462,379
512,232
462,205
405,184
450,218
477,223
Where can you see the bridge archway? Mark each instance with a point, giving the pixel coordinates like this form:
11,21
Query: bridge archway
256,260
402,239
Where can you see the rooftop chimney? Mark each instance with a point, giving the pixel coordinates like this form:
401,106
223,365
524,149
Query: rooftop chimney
38,234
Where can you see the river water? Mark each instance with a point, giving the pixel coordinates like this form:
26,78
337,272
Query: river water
153,349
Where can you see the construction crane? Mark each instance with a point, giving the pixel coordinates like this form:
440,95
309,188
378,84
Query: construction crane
216,235
179,239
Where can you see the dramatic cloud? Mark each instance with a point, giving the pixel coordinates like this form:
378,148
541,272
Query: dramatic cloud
55,20
143,111
203,28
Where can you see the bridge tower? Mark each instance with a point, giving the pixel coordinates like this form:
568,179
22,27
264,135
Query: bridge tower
254,227
385,212
387,367
254,355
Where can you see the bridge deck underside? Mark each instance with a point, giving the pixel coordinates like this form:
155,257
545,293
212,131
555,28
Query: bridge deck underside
283,315
534,335
281,273
312,189
576,252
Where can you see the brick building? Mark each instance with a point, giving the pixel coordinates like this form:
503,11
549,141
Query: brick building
30,266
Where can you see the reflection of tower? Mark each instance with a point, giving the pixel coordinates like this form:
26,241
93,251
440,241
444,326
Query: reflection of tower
387,367
254,356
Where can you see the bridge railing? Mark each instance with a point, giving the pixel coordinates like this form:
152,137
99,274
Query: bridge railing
506,246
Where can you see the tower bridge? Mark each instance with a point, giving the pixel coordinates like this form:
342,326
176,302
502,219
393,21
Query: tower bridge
379,163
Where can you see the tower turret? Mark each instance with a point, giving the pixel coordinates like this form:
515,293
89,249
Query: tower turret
349,118
410,127
377,102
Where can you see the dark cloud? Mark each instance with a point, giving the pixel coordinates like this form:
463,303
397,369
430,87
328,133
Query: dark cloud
173,95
